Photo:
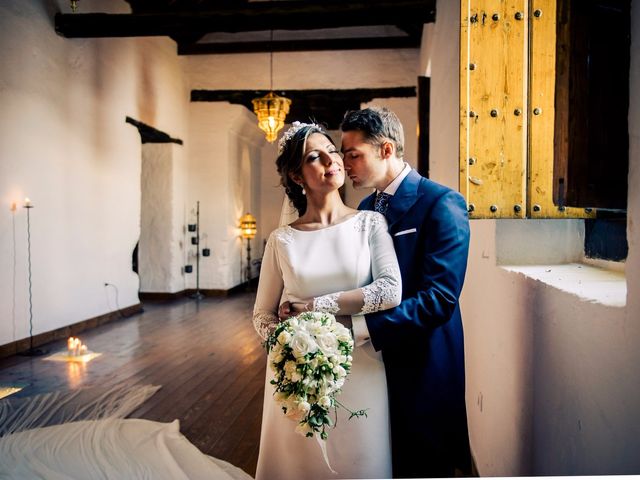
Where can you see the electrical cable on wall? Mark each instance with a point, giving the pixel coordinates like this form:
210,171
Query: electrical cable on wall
118,309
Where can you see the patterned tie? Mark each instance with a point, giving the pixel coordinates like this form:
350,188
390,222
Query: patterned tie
382,202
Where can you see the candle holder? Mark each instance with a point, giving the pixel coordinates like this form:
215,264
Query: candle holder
197,295
32,352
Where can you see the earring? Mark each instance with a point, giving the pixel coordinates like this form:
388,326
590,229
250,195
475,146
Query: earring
304,192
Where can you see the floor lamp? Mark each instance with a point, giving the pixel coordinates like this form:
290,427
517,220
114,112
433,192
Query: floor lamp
32,351
248,228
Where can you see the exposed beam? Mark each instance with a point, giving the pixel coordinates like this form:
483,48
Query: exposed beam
324,106
255,16
299,45
149,134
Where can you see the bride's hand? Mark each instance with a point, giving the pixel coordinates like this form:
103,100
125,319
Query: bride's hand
291,309
284,311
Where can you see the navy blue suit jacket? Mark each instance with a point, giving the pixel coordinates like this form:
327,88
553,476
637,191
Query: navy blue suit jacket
421,339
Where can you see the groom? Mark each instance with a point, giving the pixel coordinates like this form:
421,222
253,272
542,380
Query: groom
421,340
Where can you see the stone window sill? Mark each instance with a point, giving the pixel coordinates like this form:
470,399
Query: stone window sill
599,282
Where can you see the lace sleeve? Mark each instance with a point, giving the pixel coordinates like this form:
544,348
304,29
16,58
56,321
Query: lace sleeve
270,286
264,323
382,293
327,303
386,289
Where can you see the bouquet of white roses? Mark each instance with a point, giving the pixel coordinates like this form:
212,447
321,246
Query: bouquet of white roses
310,355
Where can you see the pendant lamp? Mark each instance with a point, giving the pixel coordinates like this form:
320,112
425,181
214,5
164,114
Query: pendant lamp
272,109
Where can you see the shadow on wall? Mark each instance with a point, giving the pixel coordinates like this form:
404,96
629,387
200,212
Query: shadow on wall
146,97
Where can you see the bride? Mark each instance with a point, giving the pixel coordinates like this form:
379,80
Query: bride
337,260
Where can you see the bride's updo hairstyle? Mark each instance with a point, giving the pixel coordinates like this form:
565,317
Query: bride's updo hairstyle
290,161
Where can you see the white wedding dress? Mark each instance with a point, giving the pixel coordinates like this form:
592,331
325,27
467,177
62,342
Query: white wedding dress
357,252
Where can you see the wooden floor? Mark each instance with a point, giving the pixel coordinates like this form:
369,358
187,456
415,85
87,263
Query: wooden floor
205,355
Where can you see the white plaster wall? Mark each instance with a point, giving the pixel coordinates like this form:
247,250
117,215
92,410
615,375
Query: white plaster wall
300,70
271,193
161,252
246,143
154,250
65,144
223,159
179,219
552,381
207,178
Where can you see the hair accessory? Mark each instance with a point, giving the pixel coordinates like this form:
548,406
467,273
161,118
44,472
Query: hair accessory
288,135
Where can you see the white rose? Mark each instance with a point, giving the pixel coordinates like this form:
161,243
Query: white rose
324,402
293,413
339,371
281,396
328,343
302,343
344,336
304,407
284,337
314,328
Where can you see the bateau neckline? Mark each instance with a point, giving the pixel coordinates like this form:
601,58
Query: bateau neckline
355,215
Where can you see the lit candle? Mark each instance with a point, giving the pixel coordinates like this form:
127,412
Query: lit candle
83,349
70,344
27,202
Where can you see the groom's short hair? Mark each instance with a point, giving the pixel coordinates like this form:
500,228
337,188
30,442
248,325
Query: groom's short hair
377,125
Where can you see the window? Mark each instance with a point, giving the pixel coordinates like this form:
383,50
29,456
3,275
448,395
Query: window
513,107
591,156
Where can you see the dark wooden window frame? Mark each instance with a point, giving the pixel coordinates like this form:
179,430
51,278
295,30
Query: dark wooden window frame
591,157
591,144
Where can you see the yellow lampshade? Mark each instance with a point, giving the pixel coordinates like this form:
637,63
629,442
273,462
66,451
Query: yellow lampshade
248,226
271,111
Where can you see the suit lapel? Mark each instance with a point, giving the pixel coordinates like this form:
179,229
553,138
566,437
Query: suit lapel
368,202
404,198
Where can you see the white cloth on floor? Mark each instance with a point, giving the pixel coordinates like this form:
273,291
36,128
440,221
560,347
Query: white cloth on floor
109,449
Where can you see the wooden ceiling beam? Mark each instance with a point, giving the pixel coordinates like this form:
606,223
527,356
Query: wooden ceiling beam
299,45
254,16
